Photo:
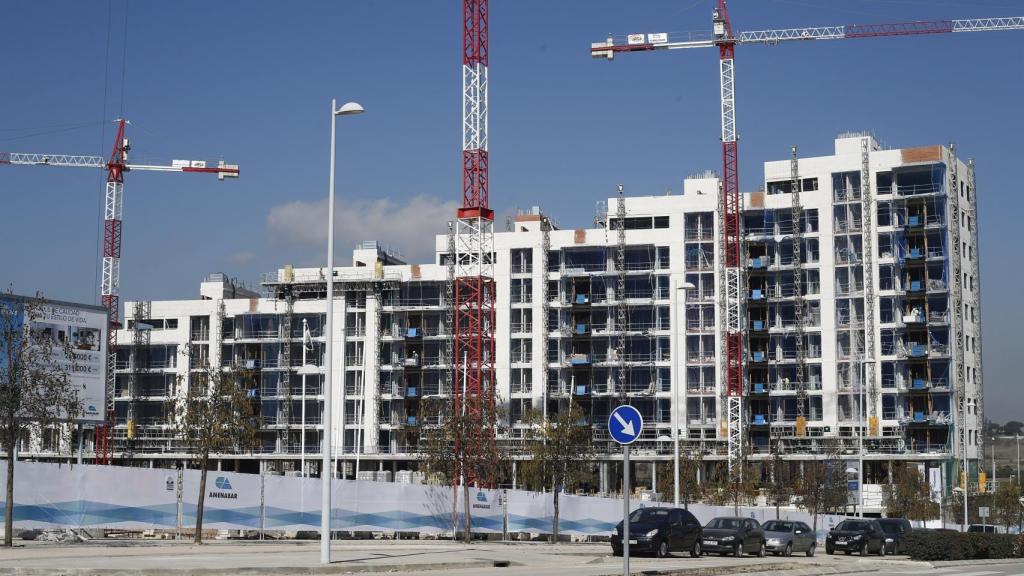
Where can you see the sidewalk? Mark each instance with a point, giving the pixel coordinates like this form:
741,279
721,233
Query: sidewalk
149,558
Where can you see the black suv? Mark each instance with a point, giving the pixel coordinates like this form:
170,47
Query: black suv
862,536
660,531
896,531
734,535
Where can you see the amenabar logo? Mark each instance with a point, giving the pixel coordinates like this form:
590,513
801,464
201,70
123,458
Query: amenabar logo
223,490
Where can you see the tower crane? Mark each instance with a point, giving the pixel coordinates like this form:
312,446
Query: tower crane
723,38
113,212
474,234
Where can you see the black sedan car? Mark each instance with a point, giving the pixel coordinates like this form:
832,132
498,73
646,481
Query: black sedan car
734,535
896,531
861,536
660,531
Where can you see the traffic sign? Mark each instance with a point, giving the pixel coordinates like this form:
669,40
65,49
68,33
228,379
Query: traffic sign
983,511
625,424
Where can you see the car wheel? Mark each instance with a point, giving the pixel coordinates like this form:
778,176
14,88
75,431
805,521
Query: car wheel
696,551
864,549
882,550
789,550
829,550
616,551
737,551
810,551
762,550
663,549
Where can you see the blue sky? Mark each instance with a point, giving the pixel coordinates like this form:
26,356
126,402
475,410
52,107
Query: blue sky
251,82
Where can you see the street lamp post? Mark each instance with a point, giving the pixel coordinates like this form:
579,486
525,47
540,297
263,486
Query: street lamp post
676,366
326,471
993,482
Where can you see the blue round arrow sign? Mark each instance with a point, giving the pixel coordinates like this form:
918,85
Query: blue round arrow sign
625,424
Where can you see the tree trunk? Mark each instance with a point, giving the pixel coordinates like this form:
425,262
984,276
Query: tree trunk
9,504
554,519
198,539
467,534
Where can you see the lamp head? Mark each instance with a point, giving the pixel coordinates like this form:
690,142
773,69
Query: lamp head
349,108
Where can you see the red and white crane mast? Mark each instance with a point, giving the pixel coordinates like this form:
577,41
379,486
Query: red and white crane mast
474,234
732,271
113,213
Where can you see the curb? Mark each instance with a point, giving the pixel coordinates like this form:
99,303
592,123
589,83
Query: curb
954,563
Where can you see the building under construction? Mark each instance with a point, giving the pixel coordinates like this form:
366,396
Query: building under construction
861,329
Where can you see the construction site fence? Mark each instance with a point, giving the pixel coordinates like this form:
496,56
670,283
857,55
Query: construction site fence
63,496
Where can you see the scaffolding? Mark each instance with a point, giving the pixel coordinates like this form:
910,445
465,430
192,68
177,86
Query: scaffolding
868,218
138,366
620,295
545,299
797,211
956,291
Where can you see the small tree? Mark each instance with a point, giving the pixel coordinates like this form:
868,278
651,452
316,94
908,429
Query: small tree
909,497
821,486
215,414
463,448
736,489
691,462
561,453
1007,508
36,392
779,483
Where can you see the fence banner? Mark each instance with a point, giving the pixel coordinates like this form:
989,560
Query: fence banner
291,503
232,500
65,496
577,515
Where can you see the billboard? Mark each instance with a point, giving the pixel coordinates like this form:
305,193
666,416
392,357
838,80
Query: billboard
84,329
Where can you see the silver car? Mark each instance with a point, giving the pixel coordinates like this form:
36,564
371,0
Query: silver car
783,537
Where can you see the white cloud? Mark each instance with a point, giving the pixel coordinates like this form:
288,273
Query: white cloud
408,225
243,257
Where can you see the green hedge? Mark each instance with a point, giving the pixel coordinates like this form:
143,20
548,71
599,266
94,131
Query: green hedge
934,545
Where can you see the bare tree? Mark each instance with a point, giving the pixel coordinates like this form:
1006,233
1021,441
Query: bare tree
463,447
736,489
1007,507
215,414
561,452
779,483
909,496
821,486
691,490
36,392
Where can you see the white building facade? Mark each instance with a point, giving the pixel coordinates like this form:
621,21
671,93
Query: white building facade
863,329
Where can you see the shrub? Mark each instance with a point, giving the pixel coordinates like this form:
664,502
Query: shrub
942,545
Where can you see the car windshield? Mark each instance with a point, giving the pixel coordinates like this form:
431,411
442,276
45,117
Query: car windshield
853,525
776,526
725,523
890,527
644,515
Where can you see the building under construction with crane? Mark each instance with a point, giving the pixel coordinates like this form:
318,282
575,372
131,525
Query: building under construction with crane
861,329
835,311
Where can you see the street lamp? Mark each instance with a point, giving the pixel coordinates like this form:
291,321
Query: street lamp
326,471
675,384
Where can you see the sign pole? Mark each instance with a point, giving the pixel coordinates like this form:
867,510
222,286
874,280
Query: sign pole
625,510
